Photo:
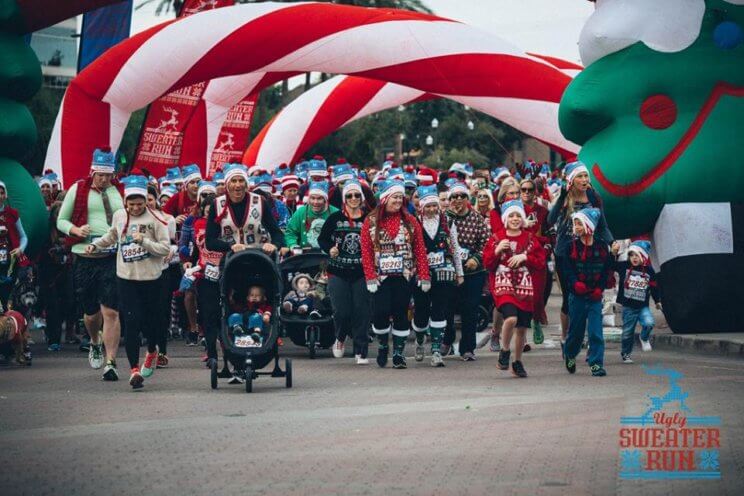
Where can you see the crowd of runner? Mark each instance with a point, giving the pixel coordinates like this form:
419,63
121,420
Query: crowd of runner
409,248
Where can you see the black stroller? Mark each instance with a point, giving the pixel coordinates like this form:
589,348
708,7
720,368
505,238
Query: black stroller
240,271
302,330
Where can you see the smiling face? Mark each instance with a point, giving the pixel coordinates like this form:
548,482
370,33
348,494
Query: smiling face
514,221
317,203
394,203
135,205
669,134
444,201
353,199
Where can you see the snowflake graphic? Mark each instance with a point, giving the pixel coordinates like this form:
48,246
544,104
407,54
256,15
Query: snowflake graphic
631,460
708,460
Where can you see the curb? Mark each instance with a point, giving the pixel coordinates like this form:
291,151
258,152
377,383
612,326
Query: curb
697,344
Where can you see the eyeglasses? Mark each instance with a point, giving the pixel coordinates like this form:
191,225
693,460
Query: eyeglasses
459,196
528,190
483,197
352,195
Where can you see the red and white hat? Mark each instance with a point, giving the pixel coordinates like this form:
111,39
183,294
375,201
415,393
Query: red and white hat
426,176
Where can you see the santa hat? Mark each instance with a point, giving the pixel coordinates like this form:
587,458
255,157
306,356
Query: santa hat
574,169
191,173
510,207
428,195
233,170
135,186
459,187
589,217
207,187
426,176
353,185
255,170
390,187
103,161
642,248
290,181
498,173
318,188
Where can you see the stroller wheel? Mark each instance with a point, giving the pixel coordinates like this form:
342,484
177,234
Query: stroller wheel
312,341
213,373
288,371
248,380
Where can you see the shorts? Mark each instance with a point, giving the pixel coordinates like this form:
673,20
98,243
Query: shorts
95,283
510,310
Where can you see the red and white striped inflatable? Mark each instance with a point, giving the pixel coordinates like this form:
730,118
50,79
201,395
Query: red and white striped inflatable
416,50
344,99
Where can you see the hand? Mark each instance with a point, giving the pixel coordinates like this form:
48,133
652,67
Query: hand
517,260
615,248
283,251
372,286
268,248
138,238
169,257
15,252
90,249
238,247
658,306
530,222
580,288
80,232
503,245
180,219
266,318
596,294
187,265
333,252
460,280
424,285
471,264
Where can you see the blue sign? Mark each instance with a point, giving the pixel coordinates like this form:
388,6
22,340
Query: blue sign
102,29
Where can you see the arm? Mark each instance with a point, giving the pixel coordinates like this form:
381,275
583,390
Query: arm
171,206
490,260
213,241
569,272
22,238
293,234
110,238
368,253
606,272
325,239
483,236
186,239
536,255
456,251
160,246
271,226
653,284
555,212
64,219
419,252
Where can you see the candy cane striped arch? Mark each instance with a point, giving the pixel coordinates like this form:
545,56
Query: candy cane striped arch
344,99
425,52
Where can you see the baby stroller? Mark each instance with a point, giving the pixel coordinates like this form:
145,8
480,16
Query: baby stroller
240,271
302,330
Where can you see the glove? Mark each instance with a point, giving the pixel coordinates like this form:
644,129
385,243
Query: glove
596,294
580,288
424,285
372,286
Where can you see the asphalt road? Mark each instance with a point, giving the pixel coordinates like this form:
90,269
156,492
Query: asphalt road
346,429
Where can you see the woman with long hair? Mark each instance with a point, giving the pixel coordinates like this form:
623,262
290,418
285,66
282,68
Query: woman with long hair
393,254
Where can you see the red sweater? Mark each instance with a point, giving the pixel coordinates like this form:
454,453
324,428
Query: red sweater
509,285
391,225
179,204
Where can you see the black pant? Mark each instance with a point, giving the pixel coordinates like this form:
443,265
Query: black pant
169,281
468,298
138,302
208,303
350,301
57,298
391,301
432,306
559,261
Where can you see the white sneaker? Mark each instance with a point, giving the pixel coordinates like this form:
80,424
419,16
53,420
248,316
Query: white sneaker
361,361
338,349
95,356
646,345
627,359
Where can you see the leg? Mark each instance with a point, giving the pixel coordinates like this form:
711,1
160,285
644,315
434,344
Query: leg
472,289
109,299
342,297
360,317
577,310
401,296
519,342
564,298
647,323
422,303
209,310
85,281
630,318
189,303
149,301
381,320
596,339
130,301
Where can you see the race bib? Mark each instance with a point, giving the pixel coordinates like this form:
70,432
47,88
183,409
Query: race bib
133,252
3,256
212,273
245,342
110,250
391,264
464,254
436,259
636,286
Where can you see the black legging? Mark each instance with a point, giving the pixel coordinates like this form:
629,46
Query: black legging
391,300
208,302
433,305
169,281
138,302
563,283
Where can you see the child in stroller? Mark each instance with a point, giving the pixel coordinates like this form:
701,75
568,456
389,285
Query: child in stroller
247,326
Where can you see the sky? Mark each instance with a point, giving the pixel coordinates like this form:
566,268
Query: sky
547,27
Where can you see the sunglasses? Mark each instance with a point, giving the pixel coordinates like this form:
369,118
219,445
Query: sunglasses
352,195
459,196
483,197
528,190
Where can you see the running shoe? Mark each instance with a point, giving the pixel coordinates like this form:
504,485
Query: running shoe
150,363
504,356
526,348
338,349
135,379
518,369
571,365
419,353
54,347
537,333
446,349
399,362
361,361
495,343
626,358
192,339
436,359
162,361
382,356
646,345
468,356
109,372
95,356
598,370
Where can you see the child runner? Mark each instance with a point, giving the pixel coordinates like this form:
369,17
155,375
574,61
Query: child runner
143,242
586,268
511,256
636,284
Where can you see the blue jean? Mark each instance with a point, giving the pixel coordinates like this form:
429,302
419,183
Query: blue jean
585,314
632,316
249,322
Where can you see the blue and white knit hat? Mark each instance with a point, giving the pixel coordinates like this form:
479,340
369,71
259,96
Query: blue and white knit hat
459,187
511,207
318,188
643,248
264,182
388,164
206,187
428,195
53,177
574,169
104,161
390,187
135,186
43,180
233,170
168,191
281,171
396,174
465,169
317,167
341,173
353,185
190,173
218,178
589,217
545,170
409,180
173,176
498,173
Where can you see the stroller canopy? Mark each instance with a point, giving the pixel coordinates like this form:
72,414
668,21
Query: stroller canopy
248,268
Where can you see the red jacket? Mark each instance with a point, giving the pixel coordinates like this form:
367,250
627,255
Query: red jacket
179,204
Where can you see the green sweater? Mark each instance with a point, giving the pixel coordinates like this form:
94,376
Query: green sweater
96,214
304,227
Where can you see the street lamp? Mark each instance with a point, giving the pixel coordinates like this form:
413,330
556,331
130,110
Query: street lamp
401,108
434,123
471,126
429,140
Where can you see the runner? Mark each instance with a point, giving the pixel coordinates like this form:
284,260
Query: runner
13,243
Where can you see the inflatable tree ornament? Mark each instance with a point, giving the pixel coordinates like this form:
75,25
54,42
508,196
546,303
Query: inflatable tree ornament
659,112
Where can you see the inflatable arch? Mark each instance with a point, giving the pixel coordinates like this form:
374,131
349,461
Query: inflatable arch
421,51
